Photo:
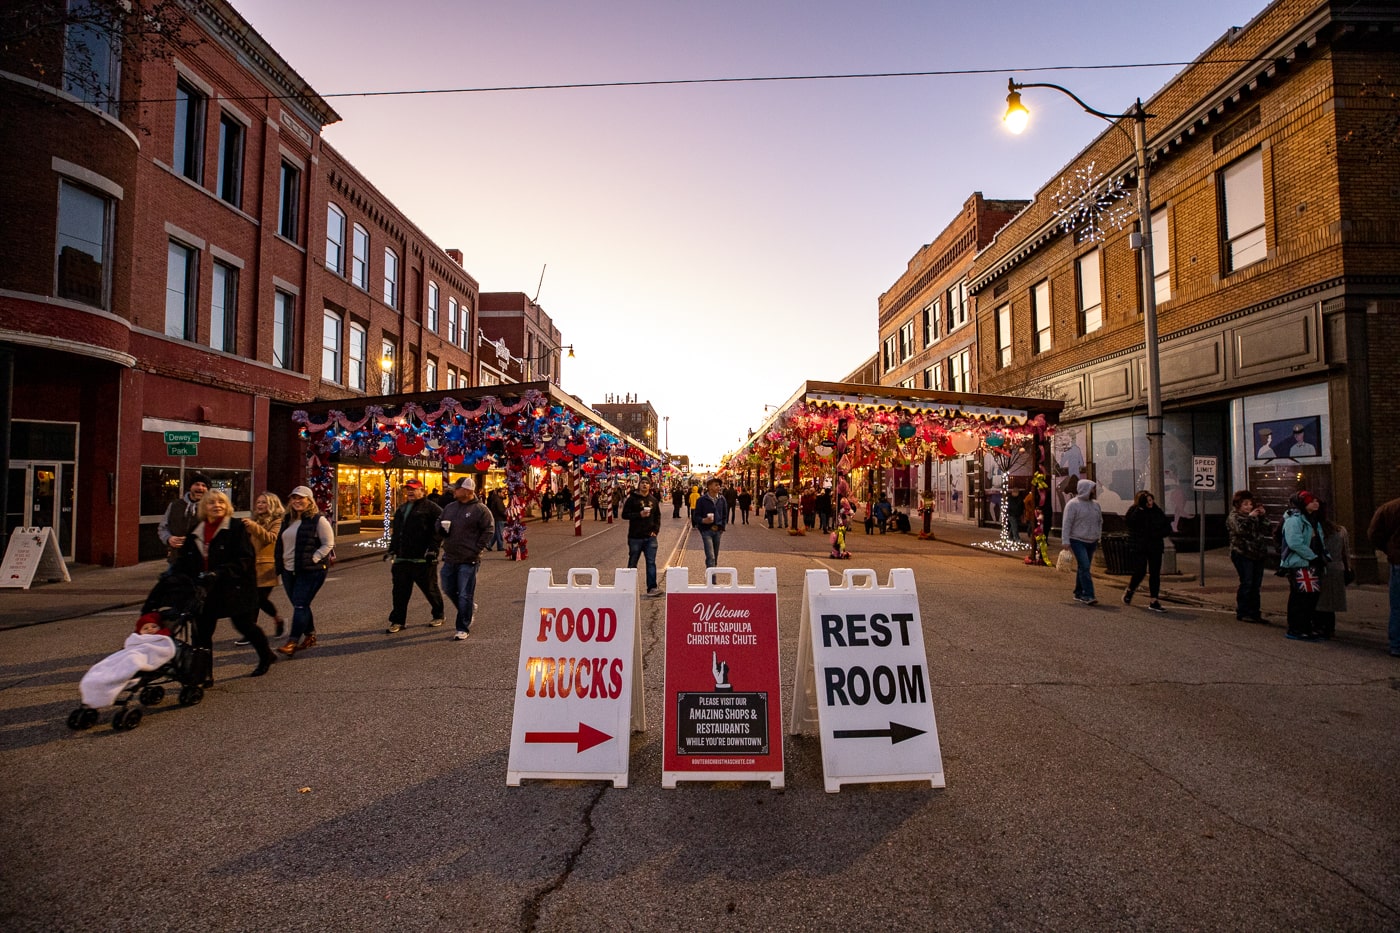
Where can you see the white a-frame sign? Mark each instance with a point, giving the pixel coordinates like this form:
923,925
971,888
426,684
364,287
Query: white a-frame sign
579,680
862,670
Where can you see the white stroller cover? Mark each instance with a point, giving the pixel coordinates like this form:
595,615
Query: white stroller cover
105,679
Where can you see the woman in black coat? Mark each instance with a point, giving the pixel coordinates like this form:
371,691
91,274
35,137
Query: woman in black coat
1148,529
220,555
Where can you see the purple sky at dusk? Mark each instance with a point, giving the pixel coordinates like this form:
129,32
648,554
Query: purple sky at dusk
709,247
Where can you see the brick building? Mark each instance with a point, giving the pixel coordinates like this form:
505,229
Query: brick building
637,420
523,345
1275,211
926,343
192,256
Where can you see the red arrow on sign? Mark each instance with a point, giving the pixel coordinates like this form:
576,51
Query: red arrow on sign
586,737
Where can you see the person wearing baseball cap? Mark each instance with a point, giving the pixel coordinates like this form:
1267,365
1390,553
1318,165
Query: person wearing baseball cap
413,547
466,527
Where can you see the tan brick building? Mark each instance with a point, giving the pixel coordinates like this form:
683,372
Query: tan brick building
1275,182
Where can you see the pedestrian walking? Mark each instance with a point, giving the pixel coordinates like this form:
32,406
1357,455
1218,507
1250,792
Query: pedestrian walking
263,528
302,554
731,498
643,514
1148,529
808,503
546,502
466,529
1383,533
180,518
677,499
219,554
496,503
710,516
784,500
1332,598
1303,559
770,506
1249,549
413,548
745,500
1081,526
823,506
691,498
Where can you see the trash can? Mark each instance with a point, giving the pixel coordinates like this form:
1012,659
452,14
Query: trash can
1115,549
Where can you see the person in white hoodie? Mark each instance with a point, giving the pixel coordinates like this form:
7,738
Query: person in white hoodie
1081,526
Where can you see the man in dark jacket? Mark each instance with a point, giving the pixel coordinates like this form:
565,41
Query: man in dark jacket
710,515
413,547
643,514
180,519
496,502
1384,534
467,527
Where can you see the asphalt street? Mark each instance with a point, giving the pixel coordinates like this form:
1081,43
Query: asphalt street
1107,769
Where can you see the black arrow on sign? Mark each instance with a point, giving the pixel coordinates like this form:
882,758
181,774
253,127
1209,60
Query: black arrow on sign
896,733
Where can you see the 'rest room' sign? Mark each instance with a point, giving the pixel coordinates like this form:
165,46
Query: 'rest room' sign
723,684
577,687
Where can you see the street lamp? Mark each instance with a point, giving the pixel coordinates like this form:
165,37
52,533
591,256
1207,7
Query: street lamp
1015,119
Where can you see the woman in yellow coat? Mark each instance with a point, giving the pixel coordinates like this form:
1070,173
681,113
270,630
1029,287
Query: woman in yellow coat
263,528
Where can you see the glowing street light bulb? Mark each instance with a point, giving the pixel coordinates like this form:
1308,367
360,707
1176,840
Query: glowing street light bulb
1016,115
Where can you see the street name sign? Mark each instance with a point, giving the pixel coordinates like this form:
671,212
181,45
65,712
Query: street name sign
578,685
181,437
863,672
723,684
182,450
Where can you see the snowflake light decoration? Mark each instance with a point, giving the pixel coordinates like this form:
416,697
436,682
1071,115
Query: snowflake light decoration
1088,204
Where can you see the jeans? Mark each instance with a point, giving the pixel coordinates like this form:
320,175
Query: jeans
459,588
1251,573
1394,608
711,541
498,543
1084,558
301,587
636,547
782,514
407,574
1013,528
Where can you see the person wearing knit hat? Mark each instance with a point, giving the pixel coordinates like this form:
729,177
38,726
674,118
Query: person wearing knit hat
1303,559
180,518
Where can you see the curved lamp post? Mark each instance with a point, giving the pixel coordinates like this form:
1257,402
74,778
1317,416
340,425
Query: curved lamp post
1015,119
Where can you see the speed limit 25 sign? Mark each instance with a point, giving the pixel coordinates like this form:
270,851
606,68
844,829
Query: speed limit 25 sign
1203,473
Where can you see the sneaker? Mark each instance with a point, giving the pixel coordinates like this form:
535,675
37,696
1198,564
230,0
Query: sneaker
461,636
393,627
434,623
1293,637
1091,601
1155,606
654,592
241,642
1128,596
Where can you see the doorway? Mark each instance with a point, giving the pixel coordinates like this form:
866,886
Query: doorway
41,494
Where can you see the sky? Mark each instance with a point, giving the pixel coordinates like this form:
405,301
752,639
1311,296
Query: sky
709,247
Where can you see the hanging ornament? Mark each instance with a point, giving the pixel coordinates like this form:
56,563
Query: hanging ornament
382,455
410,445
964,443
995,440
906,431
454,459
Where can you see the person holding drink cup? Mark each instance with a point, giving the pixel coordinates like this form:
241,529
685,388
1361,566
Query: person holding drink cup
642,511
467,527
710,515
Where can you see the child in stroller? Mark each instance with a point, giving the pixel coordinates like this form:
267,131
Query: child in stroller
156,653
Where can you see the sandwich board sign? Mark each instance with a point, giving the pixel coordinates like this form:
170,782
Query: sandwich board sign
862,670
723,685
31,552
578,692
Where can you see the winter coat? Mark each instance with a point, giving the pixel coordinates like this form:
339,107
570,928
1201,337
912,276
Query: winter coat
472,529
414,534
1147,529
265,547
1082,519
1334,581
1249,535
1302,542
229,557
638,525
1384,531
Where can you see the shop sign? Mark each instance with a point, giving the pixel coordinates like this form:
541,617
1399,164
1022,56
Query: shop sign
723,686
578,685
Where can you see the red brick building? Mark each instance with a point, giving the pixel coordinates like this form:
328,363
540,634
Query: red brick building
186,254
1275,210
518,340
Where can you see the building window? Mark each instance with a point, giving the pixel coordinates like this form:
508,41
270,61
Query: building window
330,347
359,342
1090,292
387,360
452,319
189,131
931,315
908,383
181,274
432,321
891,349
359,257
283,314
451,379
1242,193
230,160
1040,315
957,306
430,375
1004,336
91,56
84,239
906,341
1161,256
464,327
223,309
959,366
933,377
391,278
335,240
289,202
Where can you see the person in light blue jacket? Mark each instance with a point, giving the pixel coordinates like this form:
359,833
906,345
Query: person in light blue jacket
1081,526
1303,559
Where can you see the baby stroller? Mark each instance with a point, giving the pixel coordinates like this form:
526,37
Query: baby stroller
158,653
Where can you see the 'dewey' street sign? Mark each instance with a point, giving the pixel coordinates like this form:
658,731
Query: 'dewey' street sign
578,681
723,685
861,666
